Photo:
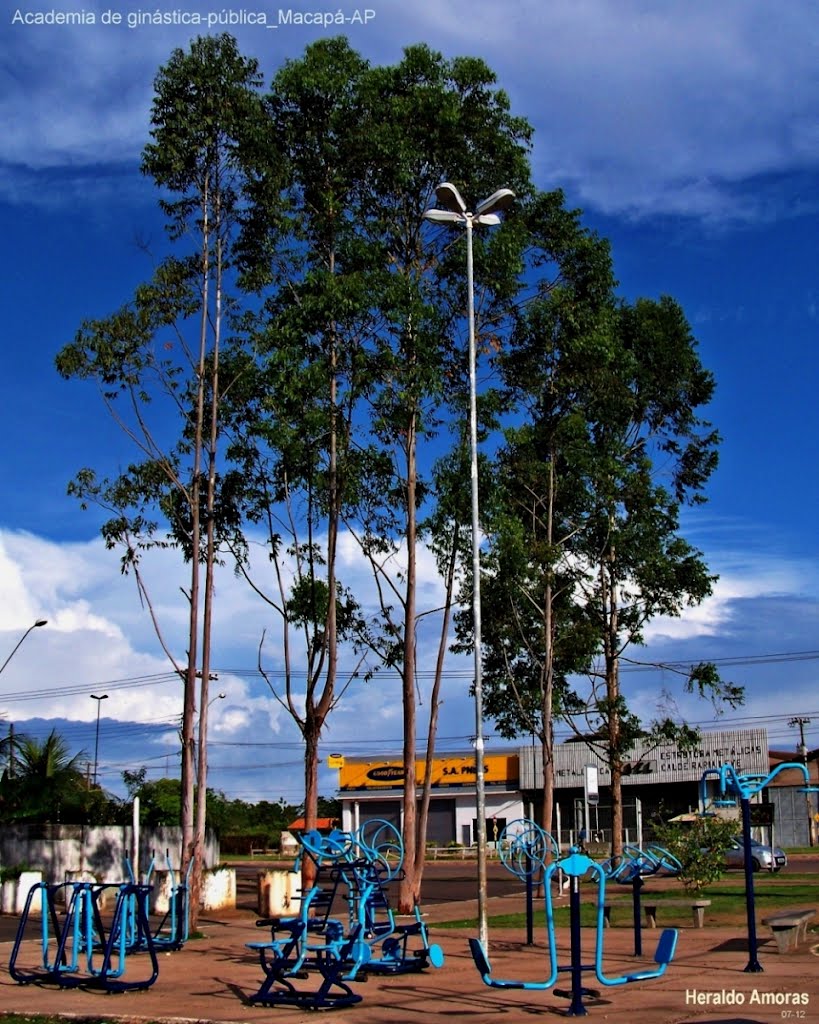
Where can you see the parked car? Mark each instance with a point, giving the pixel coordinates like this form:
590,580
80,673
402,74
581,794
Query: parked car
762,856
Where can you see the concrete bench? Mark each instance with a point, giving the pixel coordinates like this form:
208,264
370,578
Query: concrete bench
650,908
790,927
697,910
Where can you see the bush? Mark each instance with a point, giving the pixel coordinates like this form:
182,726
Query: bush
700,847
244,843
12,872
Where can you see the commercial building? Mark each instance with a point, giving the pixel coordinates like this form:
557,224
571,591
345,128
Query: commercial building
659,780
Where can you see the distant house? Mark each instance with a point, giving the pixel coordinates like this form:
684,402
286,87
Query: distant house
322,825
289,844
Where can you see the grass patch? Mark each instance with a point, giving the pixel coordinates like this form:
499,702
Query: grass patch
728,905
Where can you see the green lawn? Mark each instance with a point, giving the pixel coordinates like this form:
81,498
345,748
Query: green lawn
727,904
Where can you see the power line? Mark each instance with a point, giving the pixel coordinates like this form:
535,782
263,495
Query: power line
632,665
156,679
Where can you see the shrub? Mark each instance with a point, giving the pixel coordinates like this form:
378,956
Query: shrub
700,847
12,872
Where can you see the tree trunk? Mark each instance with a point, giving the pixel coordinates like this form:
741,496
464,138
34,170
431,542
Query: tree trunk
407,888
311,794
432,730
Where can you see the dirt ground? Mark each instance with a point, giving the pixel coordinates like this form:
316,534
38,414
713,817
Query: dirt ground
212,978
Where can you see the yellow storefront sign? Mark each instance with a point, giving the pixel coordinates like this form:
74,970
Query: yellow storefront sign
447,772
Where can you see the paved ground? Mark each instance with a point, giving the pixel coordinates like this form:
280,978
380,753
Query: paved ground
211,978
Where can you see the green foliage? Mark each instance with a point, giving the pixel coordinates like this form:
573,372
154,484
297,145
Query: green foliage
699,846
12,872
329,807
49,784
233,820
160,802
343,361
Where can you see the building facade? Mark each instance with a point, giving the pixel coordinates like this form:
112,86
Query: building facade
374,788
659,782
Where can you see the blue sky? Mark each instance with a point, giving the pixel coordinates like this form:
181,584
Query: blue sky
688,134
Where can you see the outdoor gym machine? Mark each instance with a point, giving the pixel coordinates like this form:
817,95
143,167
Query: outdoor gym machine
634,865
357,866
576,865
525,849
733,787
77,950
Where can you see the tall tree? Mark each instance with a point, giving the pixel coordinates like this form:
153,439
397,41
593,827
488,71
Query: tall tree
164,349
653,454
293,420
360,342
535,496
585,543
427,119
48,783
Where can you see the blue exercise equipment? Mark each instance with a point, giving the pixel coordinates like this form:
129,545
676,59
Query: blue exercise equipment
172,931
576,865
380,842
353,869
632,867
76,949
278,962
734,786
525,849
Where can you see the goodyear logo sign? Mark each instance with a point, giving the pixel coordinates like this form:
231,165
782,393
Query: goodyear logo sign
386,773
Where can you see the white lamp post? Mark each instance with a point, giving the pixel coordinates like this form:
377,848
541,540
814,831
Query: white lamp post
486,213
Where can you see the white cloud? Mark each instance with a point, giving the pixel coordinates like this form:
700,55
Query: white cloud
639,108
98,636
742,579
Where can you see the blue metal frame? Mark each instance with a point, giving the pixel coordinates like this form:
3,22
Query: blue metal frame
635,865
742,787
576,865
525,848
356,867
77,951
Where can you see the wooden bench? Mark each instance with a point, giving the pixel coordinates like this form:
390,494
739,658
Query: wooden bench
790,927
650,907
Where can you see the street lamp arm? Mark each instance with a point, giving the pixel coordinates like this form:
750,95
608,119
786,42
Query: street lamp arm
450,198
18,645
500,200
490,220
444,216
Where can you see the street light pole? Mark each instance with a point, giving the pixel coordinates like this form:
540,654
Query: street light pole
35,625
19,644
455,211
99,701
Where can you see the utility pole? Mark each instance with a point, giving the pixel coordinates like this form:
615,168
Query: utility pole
800,722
